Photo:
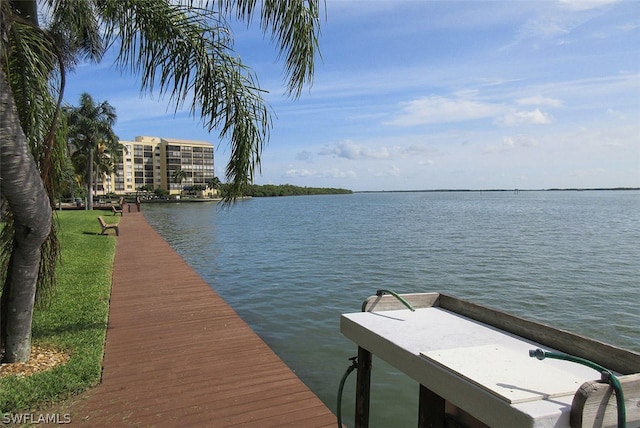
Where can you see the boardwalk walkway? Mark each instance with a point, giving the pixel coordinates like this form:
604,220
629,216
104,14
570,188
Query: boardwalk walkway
177,355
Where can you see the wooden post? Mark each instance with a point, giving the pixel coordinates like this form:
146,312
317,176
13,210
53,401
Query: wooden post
430,409
363,388
595,403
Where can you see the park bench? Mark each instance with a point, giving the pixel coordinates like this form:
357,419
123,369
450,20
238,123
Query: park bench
116,211
106,226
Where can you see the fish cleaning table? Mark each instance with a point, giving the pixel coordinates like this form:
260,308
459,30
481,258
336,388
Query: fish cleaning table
470,361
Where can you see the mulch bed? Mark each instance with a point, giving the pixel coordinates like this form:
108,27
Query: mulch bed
42,358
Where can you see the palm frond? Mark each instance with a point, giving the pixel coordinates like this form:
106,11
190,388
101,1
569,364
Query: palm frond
294,26
36,77
187,53
29,66
75,27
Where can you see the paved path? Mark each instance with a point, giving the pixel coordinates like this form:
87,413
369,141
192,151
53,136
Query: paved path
177,355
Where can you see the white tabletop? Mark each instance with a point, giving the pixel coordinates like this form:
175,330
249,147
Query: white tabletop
480,369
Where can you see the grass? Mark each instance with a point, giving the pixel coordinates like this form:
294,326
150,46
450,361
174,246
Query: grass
74,320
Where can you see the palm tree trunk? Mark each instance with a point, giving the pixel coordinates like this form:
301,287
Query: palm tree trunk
90,179
24,191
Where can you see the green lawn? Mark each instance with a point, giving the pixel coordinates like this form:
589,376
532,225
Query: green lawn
75,319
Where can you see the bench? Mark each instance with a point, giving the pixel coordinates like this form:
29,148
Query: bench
106,226
116,211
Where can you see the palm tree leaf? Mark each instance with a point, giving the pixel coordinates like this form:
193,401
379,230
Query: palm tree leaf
75,27
294,26
29,68
32,71
187,53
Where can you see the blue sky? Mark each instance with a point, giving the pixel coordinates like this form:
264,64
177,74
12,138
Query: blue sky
431,95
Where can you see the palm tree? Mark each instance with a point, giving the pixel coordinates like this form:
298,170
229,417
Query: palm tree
32,142
213,183
178,176
183,50
107,157
90,128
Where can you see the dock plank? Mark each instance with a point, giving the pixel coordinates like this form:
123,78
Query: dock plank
177,355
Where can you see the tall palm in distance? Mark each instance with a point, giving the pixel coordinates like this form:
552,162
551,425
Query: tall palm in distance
178,176
90,129
106,160
182,48
214,184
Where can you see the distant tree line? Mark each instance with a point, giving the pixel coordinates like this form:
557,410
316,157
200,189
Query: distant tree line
256,190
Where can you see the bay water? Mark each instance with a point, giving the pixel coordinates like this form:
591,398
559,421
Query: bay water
290,266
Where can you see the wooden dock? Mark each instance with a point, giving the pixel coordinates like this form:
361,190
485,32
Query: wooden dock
177,355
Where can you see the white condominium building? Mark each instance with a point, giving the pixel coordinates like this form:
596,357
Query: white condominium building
166,163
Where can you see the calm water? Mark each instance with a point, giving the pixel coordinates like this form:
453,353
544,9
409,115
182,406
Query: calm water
291,266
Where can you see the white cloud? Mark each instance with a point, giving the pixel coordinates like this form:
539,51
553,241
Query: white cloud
629,26
414,150
616,114
393,171
578,5
384,149
519,141
305,155
539,100
515,118
386,171
296,173
427,162
544,28
437,109
555,23
587,173
510,143
337,173
352,151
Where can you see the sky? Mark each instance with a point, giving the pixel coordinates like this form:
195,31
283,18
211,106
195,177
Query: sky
419,95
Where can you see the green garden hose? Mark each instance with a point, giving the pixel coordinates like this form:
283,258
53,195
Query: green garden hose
354,365
354,360
607,376
397,296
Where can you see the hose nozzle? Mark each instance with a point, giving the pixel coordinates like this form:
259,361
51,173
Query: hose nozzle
606,376
537,353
